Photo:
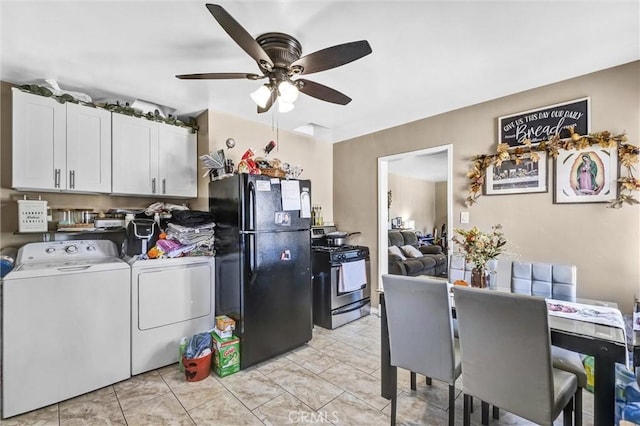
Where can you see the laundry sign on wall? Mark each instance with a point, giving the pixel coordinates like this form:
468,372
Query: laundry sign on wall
542,124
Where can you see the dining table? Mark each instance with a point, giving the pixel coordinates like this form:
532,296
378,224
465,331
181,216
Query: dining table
606,343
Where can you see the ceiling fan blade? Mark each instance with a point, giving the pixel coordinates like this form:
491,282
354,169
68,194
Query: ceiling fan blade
322,92
270,102
332,57
240,36
219,76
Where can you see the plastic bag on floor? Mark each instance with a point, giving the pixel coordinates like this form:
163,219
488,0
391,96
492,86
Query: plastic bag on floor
627,397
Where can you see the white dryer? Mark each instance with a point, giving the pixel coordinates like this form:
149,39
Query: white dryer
66,323
170,299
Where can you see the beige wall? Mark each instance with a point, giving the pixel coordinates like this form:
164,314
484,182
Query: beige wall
603,243
413,199
441,205
313,156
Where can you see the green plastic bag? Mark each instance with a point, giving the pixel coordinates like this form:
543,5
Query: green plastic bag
589,366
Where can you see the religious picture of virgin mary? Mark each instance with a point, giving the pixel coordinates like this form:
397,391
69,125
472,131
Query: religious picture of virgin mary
586,176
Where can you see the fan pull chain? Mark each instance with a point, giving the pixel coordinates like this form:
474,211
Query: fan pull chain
275,125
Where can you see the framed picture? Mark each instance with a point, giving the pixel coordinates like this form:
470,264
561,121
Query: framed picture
586,176
511,177
396,222
541,124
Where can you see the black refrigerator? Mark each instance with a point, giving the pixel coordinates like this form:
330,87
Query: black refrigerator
263,262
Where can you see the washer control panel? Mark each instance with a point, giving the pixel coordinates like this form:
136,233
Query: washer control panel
66,250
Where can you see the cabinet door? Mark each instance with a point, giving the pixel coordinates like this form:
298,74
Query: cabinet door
178,162
39,142
135,155
88,149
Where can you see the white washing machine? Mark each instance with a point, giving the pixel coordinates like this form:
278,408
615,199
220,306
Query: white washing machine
170,299
66,323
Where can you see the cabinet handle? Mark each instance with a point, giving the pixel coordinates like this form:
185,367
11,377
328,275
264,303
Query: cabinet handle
164,185
56,178
153,185
72,179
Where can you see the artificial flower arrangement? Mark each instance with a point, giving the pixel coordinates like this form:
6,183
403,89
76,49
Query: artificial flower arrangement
480,247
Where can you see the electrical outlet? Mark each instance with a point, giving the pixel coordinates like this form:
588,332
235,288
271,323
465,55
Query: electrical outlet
464,217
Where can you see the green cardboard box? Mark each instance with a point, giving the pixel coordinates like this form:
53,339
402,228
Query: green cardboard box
226,357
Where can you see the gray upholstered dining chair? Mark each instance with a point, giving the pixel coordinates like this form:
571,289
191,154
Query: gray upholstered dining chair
420,332
506,356
554,281
460,269
551,280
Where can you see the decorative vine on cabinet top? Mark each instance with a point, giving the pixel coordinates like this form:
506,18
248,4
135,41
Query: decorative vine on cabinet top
60,147
153,159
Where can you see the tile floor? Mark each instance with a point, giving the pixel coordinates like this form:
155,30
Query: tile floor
334,379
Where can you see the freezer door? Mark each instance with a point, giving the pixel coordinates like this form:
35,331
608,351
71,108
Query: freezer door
277,297
224,201
263,209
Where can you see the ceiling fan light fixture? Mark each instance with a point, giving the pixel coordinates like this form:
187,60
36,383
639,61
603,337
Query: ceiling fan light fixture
288,91
279,57
284,106
262,95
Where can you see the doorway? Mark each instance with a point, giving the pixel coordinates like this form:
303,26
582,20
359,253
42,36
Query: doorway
430,164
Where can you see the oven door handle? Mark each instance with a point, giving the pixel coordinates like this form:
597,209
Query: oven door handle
340,311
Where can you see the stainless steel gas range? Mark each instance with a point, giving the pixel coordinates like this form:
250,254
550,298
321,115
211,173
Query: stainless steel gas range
341,281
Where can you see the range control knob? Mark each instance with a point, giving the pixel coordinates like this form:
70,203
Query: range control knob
341,257
71,249
50,250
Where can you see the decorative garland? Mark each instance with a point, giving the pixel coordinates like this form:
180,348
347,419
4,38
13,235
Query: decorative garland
627,154
121,109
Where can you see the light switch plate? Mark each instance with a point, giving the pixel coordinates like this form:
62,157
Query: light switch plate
464,217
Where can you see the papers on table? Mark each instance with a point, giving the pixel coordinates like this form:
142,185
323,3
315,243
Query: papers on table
590,313
595,314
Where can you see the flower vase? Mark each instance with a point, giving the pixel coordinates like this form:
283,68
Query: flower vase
479,277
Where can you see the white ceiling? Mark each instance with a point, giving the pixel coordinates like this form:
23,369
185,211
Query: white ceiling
428,167
428,57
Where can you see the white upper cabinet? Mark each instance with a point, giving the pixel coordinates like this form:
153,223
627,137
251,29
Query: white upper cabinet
88,149
39,142
60,147
178,162
135,155
153,159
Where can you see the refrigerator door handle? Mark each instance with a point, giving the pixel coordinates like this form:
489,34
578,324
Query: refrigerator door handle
251,226
252,257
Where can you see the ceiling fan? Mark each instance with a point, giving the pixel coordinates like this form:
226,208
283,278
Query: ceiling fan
278,56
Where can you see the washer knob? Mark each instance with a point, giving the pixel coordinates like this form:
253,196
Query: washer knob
50,250
71,249
91,248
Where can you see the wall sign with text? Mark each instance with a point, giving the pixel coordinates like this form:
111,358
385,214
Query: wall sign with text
541,124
